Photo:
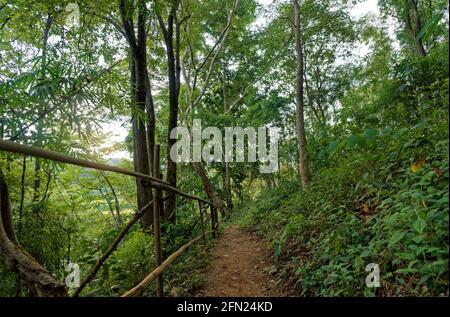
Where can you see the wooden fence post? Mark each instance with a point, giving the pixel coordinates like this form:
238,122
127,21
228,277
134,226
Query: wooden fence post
216,215
213,220
156,220
201,221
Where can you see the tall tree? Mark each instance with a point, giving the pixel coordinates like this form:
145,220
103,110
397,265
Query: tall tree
303,167
171,35
195,70
141,97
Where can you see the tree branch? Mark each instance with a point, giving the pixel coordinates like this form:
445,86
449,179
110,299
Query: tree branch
220,44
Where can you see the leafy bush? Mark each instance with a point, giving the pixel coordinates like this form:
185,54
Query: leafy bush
132,261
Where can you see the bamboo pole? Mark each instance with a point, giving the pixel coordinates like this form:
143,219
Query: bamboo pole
213,221
201,221
216,217
110,250
156,221
154,182
138,289
192,227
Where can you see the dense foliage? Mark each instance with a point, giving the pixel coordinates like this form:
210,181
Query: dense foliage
375,115
382,196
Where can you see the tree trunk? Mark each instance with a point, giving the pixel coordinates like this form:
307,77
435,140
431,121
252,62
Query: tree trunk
300,120
141,159
227,182
17,259
210,191
418,26
151,121
22,193
228,186
139,83
174,72
413,26
37,176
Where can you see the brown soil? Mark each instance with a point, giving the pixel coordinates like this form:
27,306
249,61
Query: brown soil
241,266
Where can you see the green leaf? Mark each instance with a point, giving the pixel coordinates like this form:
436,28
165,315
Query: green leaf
429,27
406,271
333,146
278,249
419,225
370,134
396,237
352,141
386,132
406,256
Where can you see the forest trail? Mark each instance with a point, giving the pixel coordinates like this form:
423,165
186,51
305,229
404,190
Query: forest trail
240,267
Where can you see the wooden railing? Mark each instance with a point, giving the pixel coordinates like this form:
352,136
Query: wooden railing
155,183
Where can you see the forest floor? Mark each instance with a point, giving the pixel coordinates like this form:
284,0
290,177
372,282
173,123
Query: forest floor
241,266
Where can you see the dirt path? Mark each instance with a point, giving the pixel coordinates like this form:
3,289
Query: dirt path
240,267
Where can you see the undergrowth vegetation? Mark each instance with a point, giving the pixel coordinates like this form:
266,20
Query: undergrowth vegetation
383,199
